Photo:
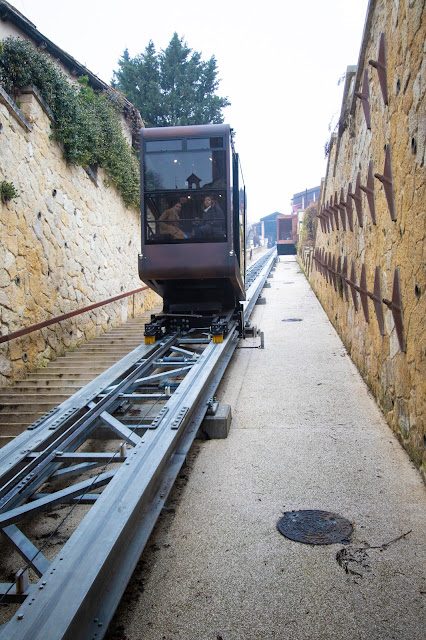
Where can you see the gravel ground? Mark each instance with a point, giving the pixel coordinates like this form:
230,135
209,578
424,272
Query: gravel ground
306,434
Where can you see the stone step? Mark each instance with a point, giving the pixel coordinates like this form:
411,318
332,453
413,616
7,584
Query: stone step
53,383
13,408
12,430
98,360
30,399
25,399
100,348
24,418
87,356
64,370
111,346
57,390
46,375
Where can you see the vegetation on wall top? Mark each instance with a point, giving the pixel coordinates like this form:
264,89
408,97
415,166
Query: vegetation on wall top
87,122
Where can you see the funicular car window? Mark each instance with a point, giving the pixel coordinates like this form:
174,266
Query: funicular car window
185,191
185,216
204,143
182,170
163,145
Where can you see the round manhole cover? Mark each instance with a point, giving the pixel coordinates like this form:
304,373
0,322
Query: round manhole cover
315,527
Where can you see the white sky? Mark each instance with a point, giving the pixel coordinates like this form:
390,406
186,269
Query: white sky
279,62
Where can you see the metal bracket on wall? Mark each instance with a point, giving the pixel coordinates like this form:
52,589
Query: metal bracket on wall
376,297
380,65
330,222
395,305
345,278
353,286
364,96
341,207
323,220
349,210
326,265
356,196
362,289
335,211
369,191
333,272
330,215
387,181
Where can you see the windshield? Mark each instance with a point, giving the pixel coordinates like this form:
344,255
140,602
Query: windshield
185,190
184,170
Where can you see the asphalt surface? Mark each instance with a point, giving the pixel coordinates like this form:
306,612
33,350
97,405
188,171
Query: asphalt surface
305,434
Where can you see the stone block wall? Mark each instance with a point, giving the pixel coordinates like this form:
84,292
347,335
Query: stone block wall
377,267
68,241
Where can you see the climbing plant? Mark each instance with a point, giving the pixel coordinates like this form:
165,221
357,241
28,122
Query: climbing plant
309,224
87,121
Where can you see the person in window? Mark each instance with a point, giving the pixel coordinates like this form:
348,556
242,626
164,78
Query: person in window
213,221
169,222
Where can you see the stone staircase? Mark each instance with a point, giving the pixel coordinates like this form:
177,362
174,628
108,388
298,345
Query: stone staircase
27,400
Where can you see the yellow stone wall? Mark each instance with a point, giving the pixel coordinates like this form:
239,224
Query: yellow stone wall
395,372
66,243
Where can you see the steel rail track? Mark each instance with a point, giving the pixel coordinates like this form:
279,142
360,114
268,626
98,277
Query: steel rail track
153,401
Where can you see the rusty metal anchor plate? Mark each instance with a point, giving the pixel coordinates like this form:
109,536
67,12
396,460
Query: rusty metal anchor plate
311,526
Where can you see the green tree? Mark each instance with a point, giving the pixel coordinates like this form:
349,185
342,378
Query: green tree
139,79
173,87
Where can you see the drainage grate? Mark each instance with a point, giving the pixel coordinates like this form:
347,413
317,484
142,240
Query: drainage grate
292,320
315,527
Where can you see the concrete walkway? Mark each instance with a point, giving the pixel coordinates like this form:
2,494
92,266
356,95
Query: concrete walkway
306,434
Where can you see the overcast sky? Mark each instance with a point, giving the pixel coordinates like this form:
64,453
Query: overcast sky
279,62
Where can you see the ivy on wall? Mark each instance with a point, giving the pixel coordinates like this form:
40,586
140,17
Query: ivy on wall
87,122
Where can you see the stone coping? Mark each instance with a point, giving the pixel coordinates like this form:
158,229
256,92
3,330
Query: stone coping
13,109
32,89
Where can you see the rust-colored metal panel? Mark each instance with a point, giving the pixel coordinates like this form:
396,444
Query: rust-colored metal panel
352,284
349,208
377,301
335,211
356,196
364,96
341,207
333,272
364,293
329,215
380,65
345,278
395,305
369,191
387,180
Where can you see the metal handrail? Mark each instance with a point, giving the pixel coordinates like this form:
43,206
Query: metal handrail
65,316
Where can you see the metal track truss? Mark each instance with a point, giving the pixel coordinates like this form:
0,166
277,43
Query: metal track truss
102,464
